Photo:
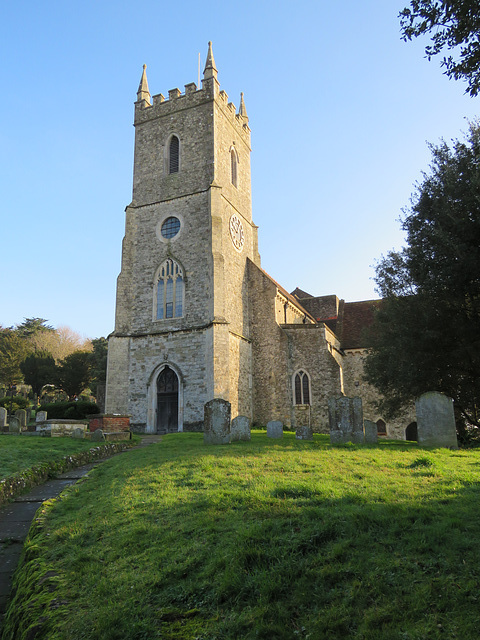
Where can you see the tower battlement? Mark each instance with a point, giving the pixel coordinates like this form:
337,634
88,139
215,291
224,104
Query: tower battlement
149,107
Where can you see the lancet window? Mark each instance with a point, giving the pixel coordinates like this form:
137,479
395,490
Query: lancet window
301,388
174,155
234,167
170,291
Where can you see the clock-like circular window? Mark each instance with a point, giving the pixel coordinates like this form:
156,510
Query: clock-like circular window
170,227
236,232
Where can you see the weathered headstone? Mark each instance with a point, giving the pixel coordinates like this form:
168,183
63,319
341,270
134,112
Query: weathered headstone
21,414
303,433
371,432
346,420
216,422
240,429
14,425
274,429
78,432
436,420
97,436
41,416
3,417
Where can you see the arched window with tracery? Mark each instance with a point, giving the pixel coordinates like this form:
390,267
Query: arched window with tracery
170,290
234,167
301,388
174,155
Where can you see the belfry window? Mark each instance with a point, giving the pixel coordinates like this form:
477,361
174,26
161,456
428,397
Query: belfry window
169,291
234,166
301,387
174,155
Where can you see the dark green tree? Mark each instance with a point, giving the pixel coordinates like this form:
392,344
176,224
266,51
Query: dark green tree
74,373
427,331
31,326
99,363
13,349
454,26
38,370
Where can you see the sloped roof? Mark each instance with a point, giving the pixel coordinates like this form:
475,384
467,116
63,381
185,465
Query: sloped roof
292,299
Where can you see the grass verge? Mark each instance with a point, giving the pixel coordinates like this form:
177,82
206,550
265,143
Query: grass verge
269,539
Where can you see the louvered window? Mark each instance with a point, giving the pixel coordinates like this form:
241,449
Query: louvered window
302,388
169,291
234,162
174,155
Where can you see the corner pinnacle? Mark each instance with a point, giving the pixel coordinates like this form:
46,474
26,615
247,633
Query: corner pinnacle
143,93
210,70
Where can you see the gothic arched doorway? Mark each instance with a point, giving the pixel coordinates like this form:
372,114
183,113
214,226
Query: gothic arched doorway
411,432
167,401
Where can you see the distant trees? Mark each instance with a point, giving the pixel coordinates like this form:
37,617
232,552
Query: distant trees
454,25
36,354
427,331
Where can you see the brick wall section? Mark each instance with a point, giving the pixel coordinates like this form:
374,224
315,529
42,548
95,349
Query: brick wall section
110,423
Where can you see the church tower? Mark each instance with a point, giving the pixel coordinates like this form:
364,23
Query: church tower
182,332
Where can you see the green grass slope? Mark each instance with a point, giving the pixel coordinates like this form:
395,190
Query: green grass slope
269,539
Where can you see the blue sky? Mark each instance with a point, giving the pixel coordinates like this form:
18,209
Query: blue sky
340,110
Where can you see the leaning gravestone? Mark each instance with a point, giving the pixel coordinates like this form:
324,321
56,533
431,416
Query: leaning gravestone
21,414
14,425
436,420
274,429
97,436
3,417
303,433
240,429
41,416
345,417
371,432
216,422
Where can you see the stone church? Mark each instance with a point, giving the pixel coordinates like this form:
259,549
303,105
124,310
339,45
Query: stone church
196,316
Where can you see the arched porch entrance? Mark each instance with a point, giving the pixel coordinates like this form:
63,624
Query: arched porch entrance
167,401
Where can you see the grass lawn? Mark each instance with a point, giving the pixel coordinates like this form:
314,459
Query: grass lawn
269,539
18,453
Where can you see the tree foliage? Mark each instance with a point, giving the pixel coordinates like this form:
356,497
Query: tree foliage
38,370
426,335
454,26
74,373
32,326
99,363
13,349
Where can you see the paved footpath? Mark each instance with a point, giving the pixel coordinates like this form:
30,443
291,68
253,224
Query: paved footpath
16,518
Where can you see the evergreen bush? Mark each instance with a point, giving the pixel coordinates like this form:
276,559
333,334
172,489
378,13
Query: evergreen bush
69,410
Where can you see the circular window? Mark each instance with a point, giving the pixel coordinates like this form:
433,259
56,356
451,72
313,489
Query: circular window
170,227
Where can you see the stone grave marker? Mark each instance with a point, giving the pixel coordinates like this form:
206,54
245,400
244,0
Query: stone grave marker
216,422
436,420
14,425
371,432
78,432
274,429
97,436
3,417
41,416
345,417
303,433
240,429
21,414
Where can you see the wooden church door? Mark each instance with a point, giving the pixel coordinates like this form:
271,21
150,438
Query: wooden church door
167,401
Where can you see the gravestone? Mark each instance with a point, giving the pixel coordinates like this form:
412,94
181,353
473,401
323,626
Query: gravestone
240,429
371,432
3,417
14,425
21,414
216,422
345,417
274,429
303,433
436,420
78,432
97,436
41,416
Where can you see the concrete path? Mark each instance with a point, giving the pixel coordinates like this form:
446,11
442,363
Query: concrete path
16,518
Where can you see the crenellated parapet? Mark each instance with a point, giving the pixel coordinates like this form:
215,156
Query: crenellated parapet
149,108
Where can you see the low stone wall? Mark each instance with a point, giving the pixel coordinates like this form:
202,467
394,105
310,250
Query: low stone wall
38,474
58,428
112,423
